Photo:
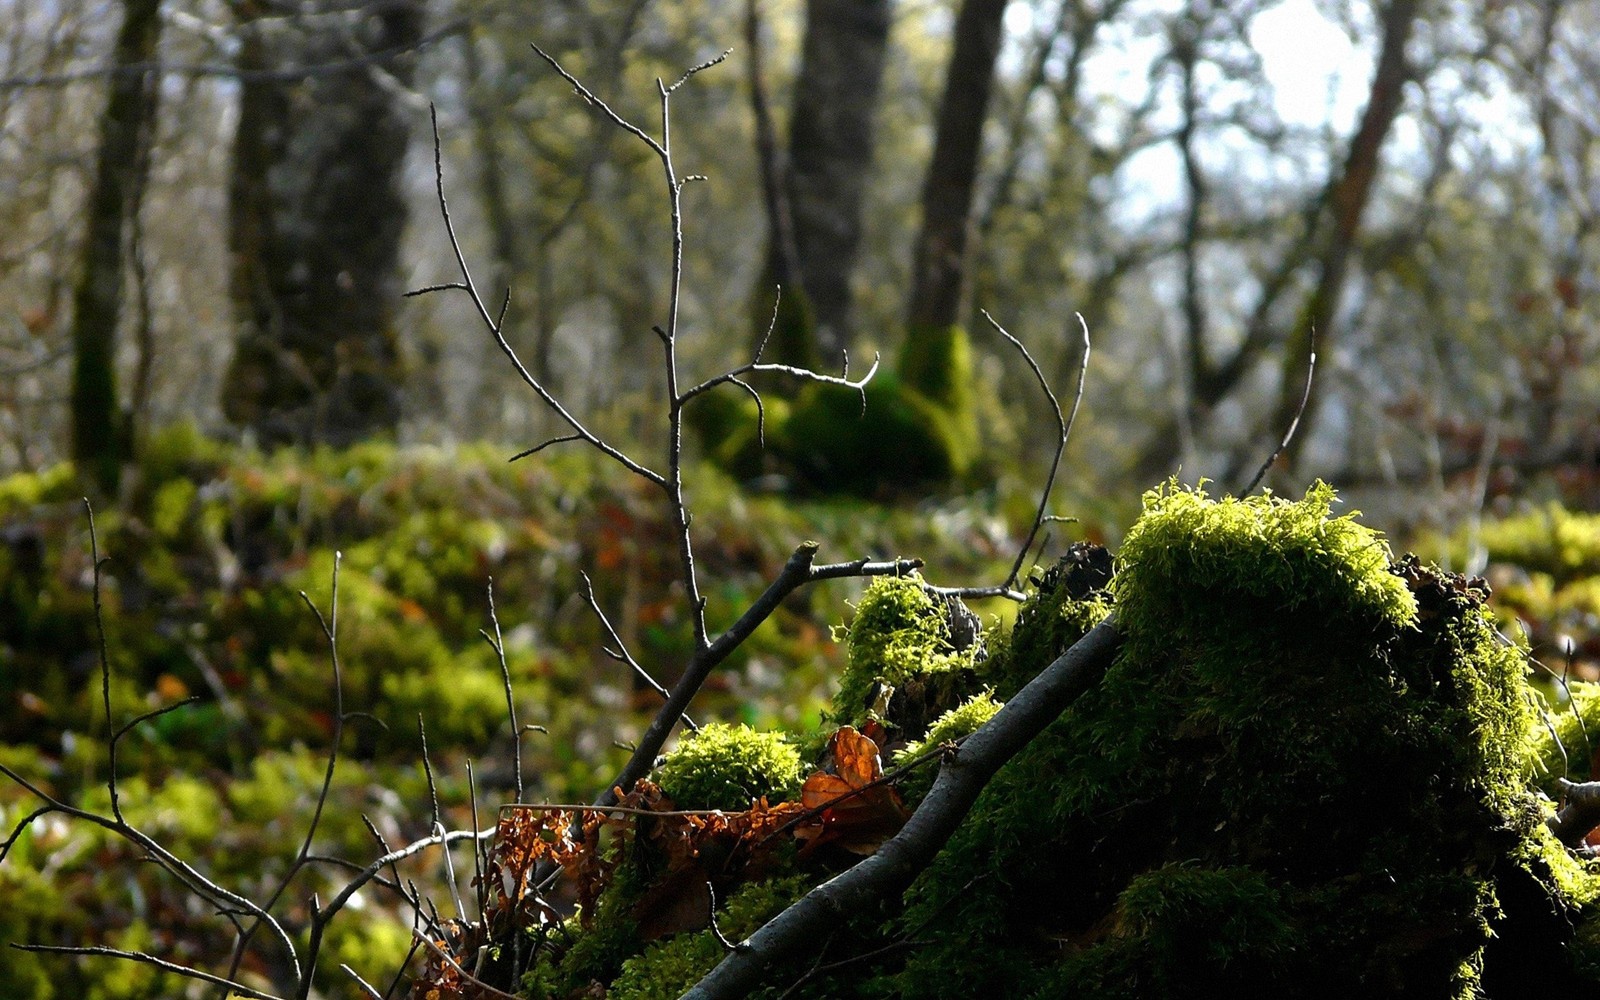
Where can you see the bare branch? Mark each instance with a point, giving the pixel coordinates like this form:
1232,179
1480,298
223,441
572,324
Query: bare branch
691,71
716,929
499,647
1063,425
563,439
366,987
801,373
591,99
621,653
497,331
798,571
105,667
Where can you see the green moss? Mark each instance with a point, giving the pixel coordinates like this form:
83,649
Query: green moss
899,632
900,441
24,490
726,767
936,361
1306,766
1562,544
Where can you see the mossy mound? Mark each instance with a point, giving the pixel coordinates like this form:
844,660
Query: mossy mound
901,440
1307,774
908,429
1312,771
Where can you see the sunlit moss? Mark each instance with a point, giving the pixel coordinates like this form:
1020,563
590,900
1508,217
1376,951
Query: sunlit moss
963,720
899,631
727,767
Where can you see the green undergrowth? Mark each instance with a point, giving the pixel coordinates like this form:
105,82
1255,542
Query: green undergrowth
1313,769
206,557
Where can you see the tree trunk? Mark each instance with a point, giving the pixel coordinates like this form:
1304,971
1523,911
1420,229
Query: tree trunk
99,439
316,215
940,265
830,152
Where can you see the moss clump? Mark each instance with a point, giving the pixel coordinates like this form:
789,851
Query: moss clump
900,632
728,767
908,429
1559,543
1305,774
900,440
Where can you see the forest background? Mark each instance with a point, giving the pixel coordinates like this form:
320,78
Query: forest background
211,210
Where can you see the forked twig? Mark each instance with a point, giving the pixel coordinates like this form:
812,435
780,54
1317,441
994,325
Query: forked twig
619,651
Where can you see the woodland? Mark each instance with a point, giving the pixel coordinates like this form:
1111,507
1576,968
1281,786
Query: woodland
799,498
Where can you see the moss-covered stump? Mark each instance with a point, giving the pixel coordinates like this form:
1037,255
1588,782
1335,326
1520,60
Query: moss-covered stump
1307,774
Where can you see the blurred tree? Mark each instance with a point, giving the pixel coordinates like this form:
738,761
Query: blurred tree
832,135
100,439
316,214
940,256
1328,235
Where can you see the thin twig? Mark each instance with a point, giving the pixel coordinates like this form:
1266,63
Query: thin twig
1294,423
148,959
330,631
463,973
105,668
1063,426
620,653
716,929
499,646
496,329
366,987
477,856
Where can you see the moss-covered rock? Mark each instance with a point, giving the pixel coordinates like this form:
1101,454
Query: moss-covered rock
1307,774
728,767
